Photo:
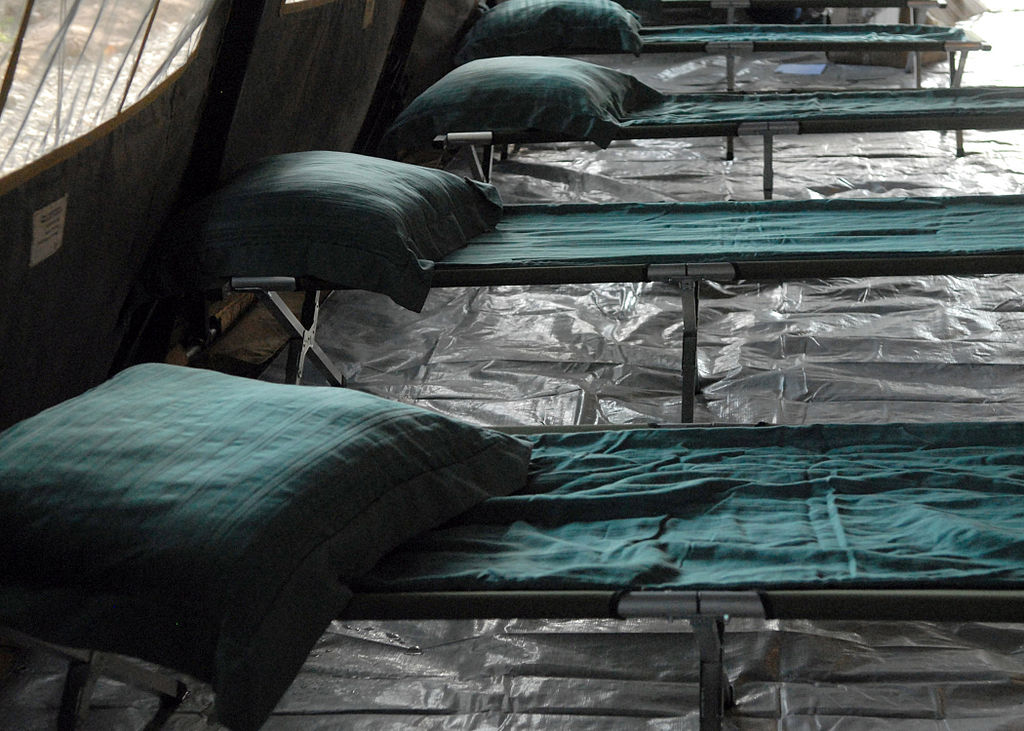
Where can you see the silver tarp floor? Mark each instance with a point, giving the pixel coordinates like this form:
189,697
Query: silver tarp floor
884,349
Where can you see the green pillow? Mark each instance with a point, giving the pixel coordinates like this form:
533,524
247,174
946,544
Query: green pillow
348,221
538,27
210,523
561,96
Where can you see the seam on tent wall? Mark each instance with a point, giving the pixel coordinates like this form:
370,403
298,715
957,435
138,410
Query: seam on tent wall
12,180
297,6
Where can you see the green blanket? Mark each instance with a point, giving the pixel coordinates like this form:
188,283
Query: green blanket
890,228
821,36
839,506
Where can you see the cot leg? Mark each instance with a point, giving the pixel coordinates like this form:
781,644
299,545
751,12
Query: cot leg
956,70
688,292
768,176
729,153
78,687
86,666
956,76
294,327
483,161
81,681
715,691
730,72
297,349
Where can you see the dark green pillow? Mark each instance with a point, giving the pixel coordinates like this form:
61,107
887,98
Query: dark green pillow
562,96
350,221
538,27
210,523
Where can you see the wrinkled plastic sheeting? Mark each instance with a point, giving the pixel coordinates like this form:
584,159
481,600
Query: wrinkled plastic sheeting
865,350
605,675
642,674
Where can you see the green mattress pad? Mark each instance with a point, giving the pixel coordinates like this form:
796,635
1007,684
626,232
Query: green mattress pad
826,506
580,234
901,106
881,35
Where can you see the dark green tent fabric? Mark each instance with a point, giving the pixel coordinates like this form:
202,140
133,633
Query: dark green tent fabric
576,234
837,506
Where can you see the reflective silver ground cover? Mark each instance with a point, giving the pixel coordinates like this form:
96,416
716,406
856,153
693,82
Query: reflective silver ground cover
885,349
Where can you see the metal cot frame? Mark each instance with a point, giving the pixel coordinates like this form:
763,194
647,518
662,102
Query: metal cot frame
917,8
484,143
684,275
821,38
708,613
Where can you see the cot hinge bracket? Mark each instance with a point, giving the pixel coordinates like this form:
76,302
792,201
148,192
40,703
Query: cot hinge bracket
268,284
688,604
711,271
707,612
454,140
739,47
786,127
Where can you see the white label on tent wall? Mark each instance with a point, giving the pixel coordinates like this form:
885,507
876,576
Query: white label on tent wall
47,230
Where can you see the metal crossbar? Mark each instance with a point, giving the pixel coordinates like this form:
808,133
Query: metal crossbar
303,343
84,669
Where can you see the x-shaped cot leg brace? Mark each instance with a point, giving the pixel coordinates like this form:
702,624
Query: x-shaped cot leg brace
84,669
302,332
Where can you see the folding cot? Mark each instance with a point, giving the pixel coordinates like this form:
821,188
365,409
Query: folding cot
324,220
215,525
916,7
557,27
532,99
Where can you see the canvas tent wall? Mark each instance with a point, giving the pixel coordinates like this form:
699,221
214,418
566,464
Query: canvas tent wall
98,121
